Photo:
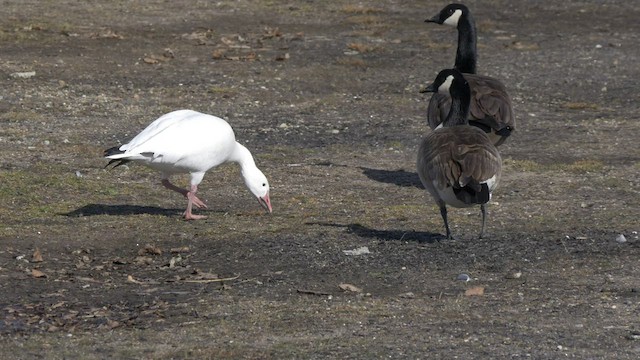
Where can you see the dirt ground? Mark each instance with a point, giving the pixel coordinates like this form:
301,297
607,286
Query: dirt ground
98,264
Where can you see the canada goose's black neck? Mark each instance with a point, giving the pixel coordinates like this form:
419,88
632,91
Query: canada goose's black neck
460,99
467,54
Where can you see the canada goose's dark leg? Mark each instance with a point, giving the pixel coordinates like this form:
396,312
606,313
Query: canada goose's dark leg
483,209
443,212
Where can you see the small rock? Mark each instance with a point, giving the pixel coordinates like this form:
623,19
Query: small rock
621,239
283,126
79,174
407,295
514,275
350,288
463,277
23,75
359,251
335,131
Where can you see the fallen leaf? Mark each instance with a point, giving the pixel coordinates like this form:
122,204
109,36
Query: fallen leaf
55,306
475,291
183,249
312,292
112,324
211,280
150,249
201,275
524,46
37,256
271,33
53,328
38,274
143,260
132,280
349,287
106,34
175,260
227,41
218,53
150,60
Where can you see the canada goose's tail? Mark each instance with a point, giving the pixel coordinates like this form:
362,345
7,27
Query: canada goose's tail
473,193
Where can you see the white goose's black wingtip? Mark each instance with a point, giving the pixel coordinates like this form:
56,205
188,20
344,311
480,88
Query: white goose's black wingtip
114,151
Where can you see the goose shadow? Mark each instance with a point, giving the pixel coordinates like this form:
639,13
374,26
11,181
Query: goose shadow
103,209
387,235
397,177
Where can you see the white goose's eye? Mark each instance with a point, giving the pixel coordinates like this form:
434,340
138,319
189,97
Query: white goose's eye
264,184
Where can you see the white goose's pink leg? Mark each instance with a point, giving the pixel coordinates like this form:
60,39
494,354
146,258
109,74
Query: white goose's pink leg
192,199
191,195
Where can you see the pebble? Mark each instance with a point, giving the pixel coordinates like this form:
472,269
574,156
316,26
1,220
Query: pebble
514,275
464,277
621,239
23,75
359,251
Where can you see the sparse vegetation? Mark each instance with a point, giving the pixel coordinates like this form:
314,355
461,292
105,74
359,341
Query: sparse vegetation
98,263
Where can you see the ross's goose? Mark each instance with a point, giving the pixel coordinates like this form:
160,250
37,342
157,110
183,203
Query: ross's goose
186,141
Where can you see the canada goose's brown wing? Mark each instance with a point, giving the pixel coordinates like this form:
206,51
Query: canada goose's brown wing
490,108
490,102
478,158
457,156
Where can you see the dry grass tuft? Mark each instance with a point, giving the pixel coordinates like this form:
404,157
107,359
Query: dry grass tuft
359,9
361,48
351,61
365,20
584,166
580,106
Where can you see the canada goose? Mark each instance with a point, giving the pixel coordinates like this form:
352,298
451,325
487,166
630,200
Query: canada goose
186,141
457,163
490,108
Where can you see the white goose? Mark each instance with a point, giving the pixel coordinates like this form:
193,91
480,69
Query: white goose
186,141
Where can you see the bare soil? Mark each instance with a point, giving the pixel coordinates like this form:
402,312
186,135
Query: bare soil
98,264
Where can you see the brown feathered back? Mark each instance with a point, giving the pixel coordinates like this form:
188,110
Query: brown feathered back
490,107
457,156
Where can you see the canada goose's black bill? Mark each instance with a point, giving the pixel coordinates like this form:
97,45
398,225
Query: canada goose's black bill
435,19
429,89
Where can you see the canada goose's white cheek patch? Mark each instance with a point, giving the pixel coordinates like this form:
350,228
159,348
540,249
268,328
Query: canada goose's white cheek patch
444,88
454,18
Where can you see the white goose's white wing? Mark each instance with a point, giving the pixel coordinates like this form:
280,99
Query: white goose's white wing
158,126
182,141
